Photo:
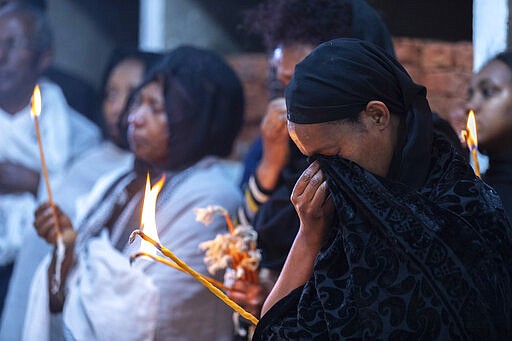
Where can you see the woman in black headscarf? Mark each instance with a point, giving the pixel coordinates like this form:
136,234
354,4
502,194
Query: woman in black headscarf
291,29
398,239
180,122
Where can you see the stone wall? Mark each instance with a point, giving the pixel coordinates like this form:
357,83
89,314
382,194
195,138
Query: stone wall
443,68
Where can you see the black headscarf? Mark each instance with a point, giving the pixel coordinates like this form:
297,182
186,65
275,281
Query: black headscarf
367,25
398,262
338,79
204,102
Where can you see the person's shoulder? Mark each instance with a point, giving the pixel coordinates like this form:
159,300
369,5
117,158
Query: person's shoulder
220,171
214,178
50,89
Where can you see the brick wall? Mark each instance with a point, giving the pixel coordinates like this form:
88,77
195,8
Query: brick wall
443,68
252,70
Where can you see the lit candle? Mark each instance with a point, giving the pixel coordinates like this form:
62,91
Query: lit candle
149,235
175,266
148,215
214,290
35,111
470,137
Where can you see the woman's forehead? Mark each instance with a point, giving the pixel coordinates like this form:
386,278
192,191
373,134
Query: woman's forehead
152,88
496,70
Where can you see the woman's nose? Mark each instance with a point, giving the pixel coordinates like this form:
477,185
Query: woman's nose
137,116
473,103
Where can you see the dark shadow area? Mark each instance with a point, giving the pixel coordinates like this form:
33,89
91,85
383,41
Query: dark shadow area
118,19
433,19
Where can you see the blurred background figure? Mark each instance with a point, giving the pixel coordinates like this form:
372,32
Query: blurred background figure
123,74
77,91
490,96
25,54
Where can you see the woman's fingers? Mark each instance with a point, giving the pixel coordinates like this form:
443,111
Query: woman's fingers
313,187
320,196
304,180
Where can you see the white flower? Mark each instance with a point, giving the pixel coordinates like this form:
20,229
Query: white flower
220,251
253,261
216,258
229,277
205,215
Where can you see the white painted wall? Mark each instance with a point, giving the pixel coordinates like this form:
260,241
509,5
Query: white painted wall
490,25
166,24
152,25
80,47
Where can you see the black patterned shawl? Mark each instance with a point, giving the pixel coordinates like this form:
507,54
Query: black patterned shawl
404,264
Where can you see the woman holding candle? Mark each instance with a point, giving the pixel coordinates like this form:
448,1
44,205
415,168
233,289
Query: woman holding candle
490,97
182,120
398,237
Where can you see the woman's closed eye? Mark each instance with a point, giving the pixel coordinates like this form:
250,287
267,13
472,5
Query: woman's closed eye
489,91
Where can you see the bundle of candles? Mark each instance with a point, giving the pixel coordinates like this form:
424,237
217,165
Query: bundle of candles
245,265
469,135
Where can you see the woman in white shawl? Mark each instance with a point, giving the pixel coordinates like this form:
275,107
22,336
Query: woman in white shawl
183,119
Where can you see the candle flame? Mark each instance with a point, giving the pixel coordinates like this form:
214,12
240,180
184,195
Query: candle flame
148,221
471,127
470,134
35,109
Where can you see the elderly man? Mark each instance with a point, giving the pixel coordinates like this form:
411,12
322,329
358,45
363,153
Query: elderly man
25,54
398,238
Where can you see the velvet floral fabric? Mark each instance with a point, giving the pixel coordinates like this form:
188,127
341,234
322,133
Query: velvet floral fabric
399,263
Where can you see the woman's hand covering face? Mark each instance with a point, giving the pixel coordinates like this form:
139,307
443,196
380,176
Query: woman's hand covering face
313,204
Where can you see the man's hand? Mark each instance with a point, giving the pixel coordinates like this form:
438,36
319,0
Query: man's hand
45,222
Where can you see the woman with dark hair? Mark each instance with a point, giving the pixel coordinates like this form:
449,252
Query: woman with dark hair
181,122
123,74
490,96
398,238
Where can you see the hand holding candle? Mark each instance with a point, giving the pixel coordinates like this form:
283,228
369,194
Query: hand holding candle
470,137
150,243
35,111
